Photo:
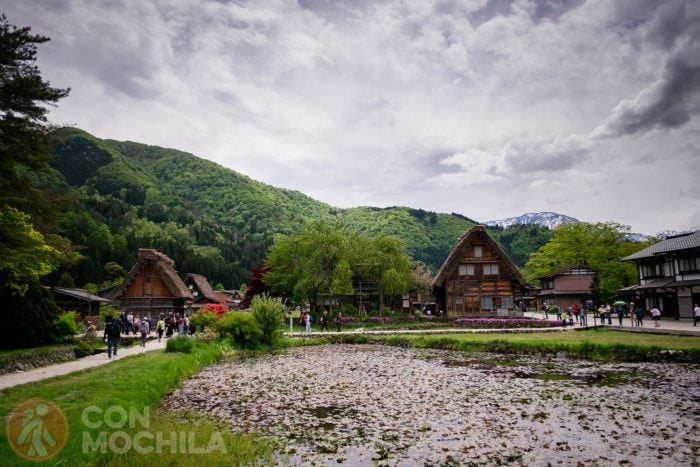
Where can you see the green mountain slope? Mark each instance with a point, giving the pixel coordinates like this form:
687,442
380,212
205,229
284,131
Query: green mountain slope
211,220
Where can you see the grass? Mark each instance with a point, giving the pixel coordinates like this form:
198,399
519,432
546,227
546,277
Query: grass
599,344
134,382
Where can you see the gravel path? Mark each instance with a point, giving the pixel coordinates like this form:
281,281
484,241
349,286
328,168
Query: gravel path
38,374
365,405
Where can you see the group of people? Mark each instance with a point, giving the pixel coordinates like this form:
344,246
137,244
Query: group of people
305,319
128,323
605,313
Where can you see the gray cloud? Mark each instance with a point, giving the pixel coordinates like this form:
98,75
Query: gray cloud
674,98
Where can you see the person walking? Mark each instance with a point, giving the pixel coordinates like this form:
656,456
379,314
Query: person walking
144,329
620,313
112,333
608,313
338,321
656,316
633,316
160,326
639,314
130,324
324,321
696,314
308,323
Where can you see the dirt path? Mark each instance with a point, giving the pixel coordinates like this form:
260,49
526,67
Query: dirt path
37,374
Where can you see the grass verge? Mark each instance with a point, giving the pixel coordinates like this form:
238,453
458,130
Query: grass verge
135,384
599,345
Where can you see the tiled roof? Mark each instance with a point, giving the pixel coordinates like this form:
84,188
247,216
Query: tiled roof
80,294
677,243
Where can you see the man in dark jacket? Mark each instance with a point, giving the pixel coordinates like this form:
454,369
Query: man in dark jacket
112,332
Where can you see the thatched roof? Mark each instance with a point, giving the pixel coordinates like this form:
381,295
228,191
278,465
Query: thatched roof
163,266
464,241
204,287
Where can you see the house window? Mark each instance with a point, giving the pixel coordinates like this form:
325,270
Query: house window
478,253
491,269
459,300
652,270
487,303
548,284
507,302
686,265
466,269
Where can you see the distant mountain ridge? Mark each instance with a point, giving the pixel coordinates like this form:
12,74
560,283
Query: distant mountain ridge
546,219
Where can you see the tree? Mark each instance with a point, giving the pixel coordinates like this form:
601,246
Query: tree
24,128
384,260
599,246
304,264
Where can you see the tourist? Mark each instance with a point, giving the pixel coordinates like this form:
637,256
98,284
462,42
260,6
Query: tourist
160,326
633,316
186,324
170,325
639,314
544,310
144,329
601,313
656,316
308,322
583,321
696,314
324,321
338,321
608,313
576,310
130,324
620,313
112,332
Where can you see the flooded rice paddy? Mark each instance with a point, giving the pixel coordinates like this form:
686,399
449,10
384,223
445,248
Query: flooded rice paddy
376,405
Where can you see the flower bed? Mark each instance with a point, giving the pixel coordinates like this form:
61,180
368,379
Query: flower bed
505,323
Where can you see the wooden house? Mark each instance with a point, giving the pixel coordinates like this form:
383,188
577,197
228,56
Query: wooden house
203,293
566,286
151,287
80,300
478,279
669,275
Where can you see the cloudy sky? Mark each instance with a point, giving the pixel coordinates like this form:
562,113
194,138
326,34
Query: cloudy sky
488,108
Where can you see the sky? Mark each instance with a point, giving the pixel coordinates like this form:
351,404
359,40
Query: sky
486,108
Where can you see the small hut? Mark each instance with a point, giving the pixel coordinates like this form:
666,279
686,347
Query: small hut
151,287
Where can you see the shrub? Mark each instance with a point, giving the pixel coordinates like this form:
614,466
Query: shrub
66,326
242,328
269,313
83,348
179,343
218,309
107,311
203,319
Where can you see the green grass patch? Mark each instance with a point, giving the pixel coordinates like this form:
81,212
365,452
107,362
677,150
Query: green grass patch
134,383
600,345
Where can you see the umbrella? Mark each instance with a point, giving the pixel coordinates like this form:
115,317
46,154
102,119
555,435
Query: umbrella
620,302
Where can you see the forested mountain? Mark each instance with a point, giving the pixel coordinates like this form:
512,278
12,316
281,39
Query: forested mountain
212,220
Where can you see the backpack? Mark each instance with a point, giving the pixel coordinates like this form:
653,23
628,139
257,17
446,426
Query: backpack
112,330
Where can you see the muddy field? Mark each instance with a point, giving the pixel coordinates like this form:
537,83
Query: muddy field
365,405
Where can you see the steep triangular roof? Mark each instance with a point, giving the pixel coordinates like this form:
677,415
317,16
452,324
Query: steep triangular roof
164,267
464,241
203,286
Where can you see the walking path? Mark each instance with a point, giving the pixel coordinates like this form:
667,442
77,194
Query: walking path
37,374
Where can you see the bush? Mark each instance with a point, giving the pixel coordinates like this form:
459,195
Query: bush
180,343
83,348
269,313
66,326
203,319
242,328
107,311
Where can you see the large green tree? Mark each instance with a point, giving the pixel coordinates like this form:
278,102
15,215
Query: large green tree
25,210
324,257
600,246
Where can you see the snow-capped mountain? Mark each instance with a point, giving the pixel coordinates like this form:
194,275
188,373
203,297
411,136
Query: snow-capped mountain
544,219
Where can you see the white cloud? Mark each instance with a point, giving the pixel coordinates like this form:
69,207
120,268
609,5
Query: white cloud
427,104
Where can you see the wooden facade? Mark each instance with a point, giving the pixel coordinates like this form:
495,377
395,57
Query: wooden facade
80,300
669,275
151,287
478,279
566,286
